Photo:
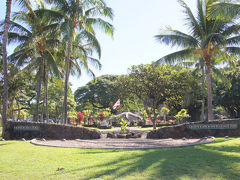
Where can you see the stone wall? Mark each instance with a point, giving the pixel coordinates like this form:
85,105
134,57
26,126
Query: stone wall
30,130
218,128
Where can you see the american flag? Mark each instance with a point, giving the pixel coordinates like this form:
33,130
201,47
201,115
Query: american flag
116,104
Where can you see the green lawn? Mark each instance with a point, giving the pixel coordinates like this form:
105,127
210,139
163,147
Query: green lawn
218,160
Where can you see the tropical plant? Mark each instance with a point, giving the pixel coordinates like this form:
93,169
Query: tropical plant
210,39
181,115
36,49
124,124
4,56
75,16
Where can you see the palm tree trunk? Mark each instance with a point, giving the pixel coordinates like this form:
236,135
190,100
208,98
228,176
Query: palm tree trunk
39,87
203,94
5,69
69,51
209,91
46,95
19,111
42,113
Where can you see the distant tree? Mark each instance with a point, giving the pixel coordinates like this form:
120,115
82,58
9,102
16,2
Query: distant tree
227,94
156,85
20,90
56,95
101,93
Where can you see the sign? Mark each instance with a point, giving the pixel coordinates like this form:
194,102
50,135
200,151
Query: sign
26,128
212,126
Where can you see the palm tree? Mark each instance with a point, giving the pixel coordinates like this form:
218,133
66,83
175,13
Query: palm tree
5,70
38,40
208,39
4,51
76,15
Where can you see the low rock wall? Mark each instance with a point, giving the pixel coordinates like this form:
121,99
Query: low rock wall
217,128
30,130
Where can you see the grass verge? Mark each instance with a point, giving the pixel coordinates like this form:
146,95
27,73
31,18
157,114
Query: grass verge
218,160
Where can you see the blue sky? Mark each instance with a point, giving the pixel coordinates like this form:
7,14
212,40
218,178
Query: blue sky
135,22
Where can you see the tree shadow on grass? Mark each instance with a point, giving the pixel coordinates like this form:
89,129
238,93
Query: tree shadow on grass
197,162
5,143
224,147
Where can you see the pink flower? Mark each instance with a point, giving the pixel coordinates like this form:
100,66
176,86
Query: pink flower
166,122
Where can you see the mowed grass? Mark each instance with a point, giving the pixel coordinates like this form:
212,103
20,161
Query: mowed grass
218,160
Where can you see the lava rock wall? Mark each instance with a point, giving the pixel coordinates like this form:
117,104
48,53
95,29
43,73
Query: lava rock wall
30,130
217,128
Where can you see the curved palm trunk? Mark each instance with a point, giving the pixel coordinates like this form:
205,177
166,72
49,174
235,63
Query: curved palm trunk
39,87
69,51
209,92
5,70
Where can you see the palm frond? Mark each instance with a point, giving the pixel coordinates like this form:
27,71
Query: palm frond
233,40
214,38
192,23
178,56
50,14
104,25
95,62
93,42
177,38
225,11
233,50
16,38
18,28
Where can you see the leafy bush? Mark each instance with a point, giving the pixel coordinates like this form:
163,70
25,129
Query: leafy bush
181,115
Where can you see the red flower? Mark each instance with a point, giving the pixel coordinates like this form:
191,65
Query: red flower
101,114
166,122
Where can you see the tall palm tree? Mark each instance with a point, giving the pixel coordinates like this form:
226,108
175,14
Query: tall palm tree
208,39
76,15
38,39
4,51
5,70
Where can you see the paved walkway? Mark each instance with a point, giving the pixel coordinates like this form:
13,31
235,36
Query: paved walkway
107,143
